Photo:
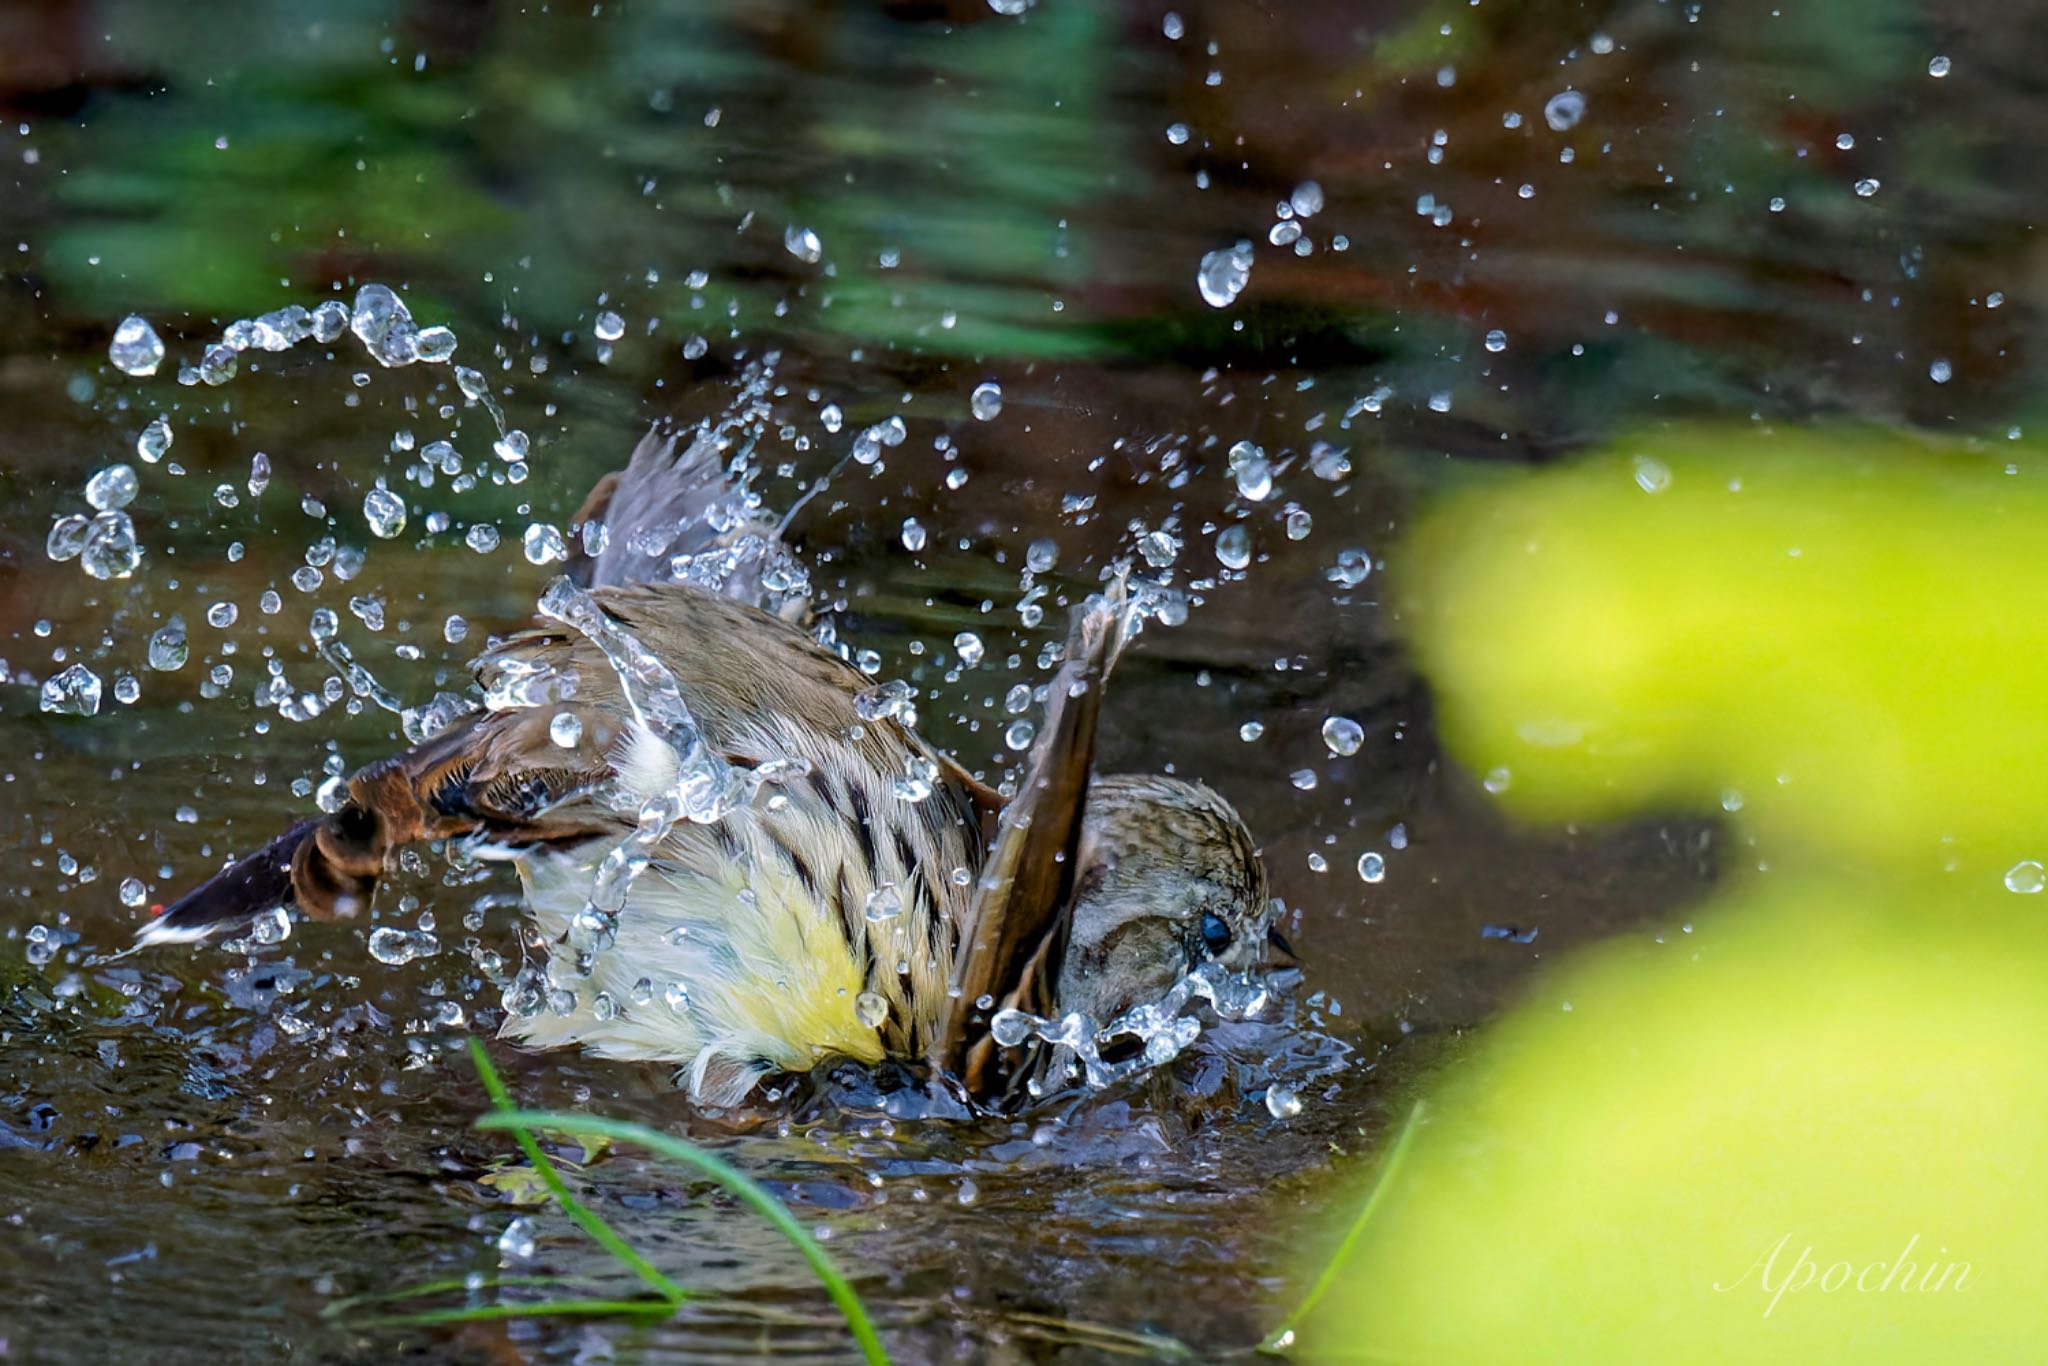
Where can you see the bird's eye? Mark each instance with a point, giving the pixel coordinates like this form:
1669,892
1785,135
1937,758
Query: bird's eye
1215,933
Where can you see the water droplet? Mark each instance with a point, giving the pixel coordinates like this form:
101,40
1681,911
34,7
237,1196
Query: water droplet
1497,780
677,997
609,326
2026,877
482,538
920,777
384,325
136,349
328,319
167,648
1867,187
967,647
1307,199
1496,340
434,345
891,701
396,947
272,926
883,903
111,488
913,534
1234,547
1282,1101
986,401
1018,734
1938,67
1352,568
1652,474
1941,372
222,615
1304,779
512,447
153,441
1010,1027
1372,867
1343,735
543,544
133,891
1252,471
110,551
517,1241
1041,555
566,730
385,512
803,244
74,692
1328,462
871,1009
1564,110
1251,730
1223,274
218,363
1299,524
831,418
67,537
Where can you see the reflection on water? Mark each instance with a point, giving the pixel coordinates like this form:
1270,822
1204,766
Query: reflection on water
977,243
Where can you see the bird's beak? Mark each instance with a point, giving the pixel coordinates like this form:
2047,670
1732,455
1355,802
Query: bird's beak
1279,953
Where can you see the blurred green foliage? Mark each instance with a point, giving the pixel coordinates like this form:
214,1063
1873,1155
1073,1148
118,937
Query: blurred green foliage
1831,635
1809,1131
1809,1122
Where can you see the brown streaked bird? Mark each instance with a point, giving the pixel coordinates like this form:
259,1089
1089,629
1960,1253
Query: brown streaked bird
855,893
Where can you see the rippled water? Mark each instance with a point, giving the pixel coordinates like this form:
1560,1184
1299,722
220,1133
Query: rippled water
1000,256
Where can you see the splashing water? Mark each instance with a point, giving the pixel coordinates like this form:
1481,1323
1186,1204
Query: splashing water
705,787
1158,1025
325,631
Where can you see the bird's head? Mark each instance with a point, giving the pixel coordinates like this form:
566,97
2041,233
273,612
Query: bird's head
1166,878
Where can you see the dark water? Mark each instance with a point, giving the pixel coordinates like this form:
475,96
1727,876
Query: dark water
205,1155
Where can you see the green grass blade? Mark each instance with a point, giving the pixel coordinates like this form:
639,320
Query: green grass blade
739,1183
584,1217
1278,1340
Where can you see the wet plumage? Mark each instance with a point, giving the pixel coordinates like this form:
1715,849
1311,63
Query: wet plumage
824,915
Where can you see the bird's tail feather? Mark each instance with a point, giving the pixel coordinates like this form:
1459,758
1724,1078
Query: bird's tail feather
481,776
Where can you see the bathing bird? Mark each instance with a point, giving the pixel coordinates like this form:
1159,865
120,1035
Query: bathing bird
740,856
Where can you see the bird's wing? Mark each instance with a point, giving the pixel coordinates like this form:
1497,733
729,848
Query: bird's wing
1010,935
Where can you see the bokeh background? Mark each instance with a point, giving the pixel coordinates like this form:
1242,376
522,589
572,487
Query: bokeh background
1542,226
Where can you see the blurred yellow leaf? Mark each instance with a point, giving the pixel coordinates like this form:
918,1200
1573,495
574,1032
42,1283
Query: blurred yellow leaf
1815,1129
517,1184
1839,635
